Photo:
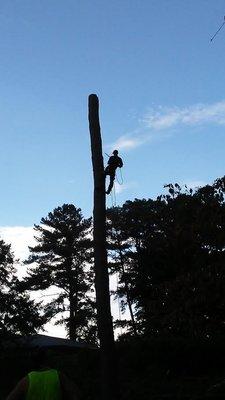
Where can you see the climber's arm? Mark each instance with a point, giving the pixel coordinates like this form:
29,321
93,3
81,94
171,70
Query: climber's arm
120,163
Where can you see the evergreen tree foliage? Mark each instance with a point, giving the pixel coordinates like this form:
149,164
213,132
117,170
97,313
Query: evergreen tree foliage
173,249
62,258
120,256
192,303
18,314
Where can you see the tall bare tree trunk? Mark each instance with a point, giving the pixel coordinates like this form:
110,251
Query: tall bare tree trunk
105,327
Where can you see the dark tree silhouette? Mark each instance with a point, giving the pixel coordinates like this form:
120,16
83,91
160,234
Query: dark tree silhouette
192,301
18,314
174,252
119,248
135,223
62,258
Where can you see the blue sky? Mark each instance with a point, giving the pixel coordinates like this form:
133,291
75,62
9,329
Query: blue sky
160,82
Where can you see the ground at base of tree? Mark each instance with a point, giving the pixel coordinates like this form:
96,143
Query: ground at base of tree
156,369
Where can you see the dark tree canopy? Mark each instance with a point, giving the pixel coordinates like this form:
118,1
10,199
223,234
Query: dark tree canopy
63,258
173,260
18,314
168,254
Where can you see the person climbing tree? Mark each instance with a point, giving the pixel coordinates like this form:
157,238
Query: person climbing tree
114,162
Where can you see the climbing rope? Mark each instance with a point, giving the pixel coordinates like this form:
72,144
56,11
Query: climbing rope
113,196
121,178
117,286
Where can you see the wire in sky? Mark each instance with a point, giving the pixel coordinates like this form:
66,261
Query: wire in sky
218,30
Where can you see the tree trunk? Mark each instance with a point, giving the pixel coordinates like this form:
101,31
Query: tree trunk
72,328
104,318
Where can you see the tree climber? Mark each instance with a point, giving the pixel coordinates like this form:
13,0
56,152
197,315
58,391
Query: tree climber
114,162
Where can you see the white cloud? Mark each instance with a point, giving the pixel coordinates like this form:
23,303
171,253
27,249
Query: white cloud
167,118
197,114
20,237
126,142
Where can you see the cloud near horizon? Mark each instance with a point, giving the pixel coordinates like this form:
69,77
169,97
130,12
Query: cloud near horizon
19,237
167,118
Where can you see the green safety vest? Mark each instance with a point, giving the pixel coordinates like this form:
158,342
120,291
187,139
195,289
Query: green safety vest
44,385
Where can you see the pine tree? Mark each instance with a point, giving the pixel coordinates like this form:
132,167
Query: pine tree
18,314
62,258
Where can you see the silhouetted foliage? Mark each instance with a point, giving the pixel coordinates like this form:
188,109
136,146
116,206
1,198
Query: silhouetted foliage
169,257
62,258
18,314
119,252
173,252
